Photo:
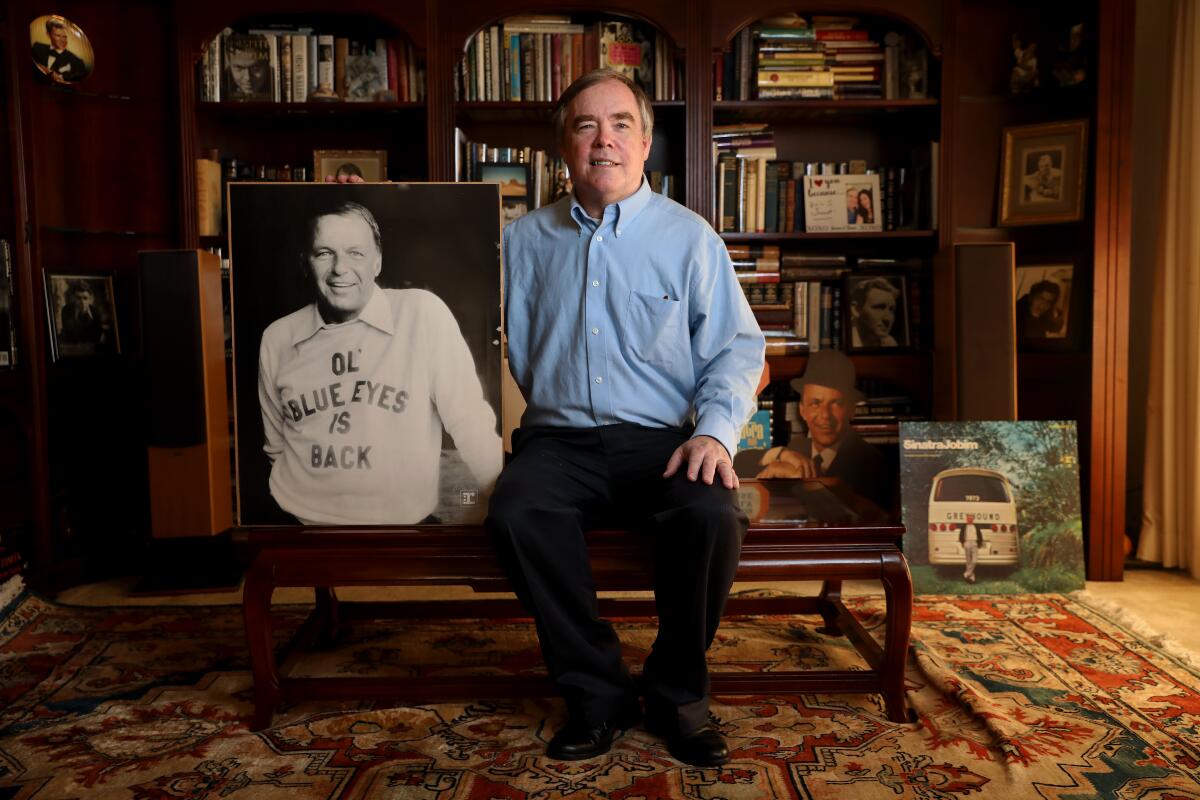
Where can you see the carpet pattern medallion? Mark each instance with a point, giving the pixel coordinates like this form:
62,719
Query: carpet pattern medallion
1015,697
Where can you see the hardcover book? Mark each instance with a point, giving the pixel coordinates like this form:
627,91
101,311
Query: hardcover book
248,74
628,49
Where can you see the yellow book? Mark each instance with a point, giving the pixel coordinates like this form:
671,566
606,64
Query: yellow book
768,78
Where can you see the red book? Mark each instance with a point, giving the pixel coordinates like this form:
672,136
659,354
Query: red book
841,36
404,90
392,84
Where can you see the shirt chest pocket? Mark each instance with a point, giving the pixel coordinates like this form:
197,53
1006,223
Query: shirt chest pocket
655,329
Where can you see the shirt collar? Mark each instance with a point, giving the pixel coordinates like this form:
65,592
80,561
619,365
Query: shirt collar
627,209
376,313
828,454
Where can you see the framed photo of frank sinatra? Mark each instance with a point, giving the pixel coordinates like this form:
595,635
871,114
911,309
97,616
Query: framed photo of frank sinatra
366,323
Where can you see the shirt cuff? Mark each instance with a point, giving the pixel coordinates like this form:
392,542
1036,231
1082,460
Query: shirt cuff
719,429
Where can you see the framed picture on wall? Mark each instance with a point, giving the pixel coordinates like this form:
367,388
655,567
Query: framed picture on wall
81,312
370,165
1043,295
516,189
876,312
60,49
1042,173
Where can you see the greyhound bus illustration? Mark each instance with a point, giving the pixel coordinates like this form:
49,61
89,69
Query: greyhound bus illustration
988,496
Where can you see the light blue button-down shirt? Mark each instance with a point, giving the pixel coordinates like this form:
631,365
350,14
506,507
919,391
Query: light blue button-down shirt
635,318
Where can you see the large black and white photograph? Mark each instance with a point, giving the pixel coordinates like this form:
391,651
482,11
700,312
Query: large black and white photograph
366,323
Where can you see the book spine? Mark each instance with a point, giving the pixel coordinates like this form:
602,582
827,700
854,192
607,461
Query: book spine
341,51
826,316
527,84
513,73
835,333
814,317
556,59
325,64
760,199
299,68
771,198
285,68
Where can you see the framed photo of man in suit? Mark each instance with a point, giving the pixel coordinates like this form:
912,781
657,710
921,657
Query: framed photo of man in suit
1042,177
60,49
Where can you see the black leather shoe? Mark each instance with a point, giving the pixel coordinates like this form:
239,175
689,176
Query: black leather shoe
704,747
578,740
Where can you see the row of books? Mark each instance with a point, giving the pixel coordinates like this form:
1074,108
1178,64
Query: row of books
829,58
285,64
535,58
8,330
757,192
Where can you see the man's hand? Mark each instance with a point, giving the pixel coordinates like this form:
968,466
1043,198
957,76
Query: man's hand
343,178
705,458
780,462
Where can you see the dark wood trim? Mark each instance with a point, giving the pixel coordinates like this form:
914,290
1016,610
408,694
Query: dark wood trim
28,296
1110,303
698,82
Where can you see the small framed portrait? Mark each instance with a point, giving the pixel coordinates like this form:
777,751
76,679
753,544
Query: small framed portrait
1043,305
60,49
1042,176
876,312
516,190
81,312
370,165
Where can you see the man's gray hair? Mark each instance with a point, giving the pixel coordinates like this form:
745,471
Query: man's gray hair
345,208
589,80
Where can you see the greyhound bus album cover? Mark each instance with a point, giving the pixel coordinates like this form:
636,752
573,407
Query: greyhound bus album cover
366,344
991,507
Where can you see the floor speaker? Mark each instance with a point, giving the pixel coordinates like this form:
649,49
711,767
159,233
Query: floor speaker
985,331
188,419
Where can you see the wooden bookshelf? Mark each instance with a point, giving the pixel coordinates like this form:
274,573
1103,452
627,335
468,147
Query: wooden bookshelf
84,159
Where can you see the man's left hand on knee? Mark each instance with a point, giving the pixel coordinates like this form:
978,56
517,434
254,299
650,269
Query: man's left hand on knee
705,459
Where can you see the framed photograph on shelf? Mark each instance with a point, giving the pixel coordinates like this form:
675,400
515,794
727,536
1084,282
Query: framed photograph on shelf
82,315
370,165
516,190
876,312
1043,305
842,204
1042,173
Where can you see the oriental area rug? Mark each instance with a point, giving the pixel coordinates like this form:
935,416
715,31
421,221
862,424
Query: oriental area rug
1023,696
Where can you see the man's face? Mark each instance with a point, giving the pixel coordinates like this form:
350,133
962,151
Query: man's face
344,263
241,66
824,411
58,38
83,300
877,313
1044,164
852,199
1041,303
604,145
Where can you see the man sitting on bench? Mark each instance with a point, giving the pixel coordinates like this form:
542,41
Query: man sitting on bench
624,319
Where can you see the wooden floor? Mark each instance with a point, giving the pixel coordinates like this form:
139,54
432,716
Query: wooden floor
1168,601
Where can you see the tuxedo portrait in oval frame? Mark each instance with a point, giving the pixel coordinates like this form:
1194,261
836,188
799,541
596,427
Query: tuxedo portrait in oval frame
60,49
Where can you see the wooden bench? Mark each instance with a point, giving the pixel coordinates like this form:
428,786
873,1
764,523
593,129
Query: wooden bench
325,558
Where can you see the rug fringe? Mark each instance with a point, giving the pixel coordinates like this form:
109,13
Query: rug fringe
1115,612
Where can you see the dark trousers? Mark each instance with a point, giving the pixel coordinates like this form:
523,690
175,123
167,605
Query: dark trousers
563,481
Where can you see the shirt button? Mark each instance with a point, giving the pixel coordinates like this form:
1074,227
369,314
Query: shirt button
599,379
618,231
595,283
595,331
599,238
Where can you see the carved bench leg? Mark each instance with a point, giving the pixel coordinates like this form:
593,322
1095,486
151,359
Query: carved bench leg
829,599
898,593
256,613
